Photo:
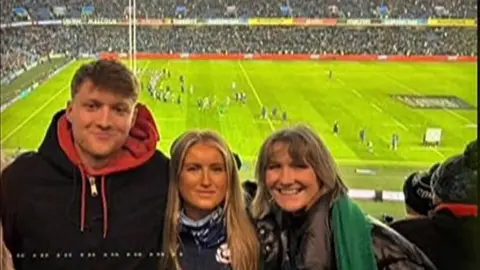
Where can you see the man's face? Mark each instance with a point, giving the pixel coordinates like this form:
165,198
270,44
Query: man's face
101,120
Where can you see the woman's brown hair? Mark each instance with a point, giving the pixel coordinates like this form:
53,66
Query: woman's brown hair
303,145
241,234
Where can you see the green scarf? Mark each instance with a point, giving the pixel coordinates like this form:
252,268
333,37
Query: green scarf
352,236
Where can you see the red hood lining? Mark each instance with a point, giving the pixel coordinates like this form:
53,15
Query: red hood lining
459,210
139,147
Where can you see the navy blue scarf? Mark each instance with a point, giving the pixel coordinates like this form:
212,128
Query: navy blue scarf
208,232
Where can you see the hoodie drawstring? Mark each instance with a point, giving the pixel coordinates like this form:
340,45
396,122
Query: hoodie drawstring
105,207
83,210
82,202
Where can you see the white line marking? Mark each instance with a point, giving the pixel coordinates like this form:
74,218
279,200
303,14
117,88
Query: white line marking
35,113
431,149
458,116
356,93
398,123
409,125
439,153
143,70
245,74
376,107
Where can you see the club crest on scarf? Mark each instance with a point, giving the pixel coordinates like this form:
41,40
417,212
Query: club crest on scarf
223,254
207,232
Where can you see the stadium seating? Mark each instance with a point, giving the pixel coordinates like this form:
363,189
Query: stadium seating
24,45
41,9
19,48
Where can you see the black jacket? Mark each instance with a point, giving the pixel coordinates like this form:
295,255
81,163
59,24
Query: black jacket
450,242
391,250
119,228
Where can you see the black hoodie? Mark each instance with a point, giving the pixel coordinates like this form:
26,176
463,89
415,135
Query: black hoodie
53,218
449,240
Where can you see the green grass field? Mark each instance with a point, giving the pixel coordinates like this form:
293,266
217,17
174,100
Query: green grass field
25,80
359,95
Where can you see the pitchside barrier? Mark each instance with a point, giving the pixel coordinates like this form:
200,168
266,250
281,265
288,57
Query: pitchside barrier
295,57
376,195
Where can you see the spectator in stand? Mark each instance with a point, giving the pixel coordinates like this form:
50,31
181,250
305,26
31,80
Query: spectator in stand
30,42
253,8
448,234
207,231
250,189
471,155
302,193
418,194
238,161
97,183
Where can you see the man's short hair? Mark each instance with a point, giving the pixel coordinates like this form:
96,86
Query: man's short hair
108,75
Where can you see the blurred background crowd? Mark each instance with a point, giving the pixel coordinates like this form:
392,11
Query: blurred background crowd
20,46
48,9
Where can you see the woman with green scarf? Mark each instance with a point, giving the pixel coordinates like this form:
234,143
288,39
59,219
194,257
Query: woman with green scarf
305,220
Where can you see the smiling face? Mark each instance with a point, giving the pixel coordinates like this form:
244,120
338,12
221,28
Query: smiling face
203,180
292,183
101,120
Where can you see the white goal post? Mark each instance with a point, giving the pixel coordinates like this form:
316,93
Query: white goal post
132,35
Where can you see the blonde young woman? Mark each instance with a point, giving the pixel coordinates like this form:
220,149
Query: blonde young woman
5,256
206,224
319,227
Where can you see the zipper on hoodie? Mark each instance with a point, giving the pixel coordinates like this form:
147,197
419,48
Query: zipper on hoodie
93,186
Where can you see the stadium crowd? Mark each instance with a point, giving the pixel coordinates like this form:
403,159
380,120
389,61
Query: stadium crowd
48,9
19,47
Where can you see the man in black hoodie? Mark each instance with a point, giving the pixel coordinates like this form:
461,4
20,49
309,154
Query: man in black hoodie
93,196
448,234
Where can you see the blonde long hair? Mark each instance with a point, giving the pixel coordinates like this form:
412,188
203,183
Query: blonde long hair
241,234
5,256
303,145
